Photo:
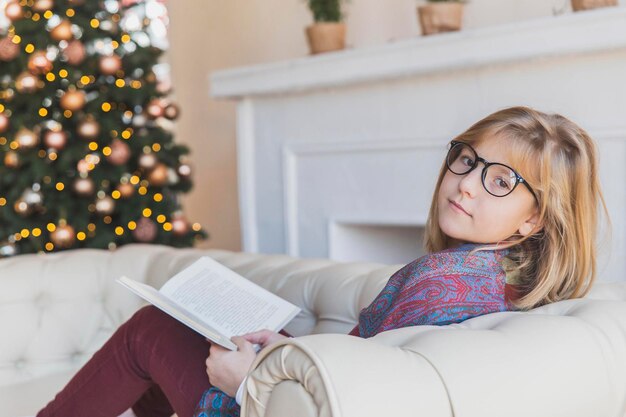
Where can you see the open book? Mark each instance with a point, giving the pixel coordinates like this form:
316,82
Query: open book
216,302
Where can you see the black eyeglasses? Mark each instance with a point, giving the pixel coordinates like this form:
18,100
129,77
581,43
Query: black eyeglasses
498,179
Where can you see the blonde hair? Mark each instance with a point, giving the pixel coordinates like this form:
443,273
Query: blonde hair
558,159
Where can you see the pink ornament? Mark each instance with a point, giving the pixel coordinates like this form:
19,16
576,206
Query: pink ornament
146,230
120,152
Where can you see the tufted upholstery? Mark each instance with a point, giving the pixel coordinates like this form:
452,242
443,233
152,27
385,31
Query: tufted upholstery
56,310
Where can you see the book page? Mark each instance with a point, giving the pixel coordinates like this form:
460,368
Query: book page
179,313
226,301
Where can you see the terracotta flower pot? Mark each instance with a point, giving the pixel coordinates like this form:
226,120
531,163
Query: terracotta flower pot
440,17
326,37
579,5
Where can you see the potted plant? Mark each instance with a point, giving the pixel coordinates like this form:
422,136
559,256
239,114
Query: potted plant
438,16
579,5
328,32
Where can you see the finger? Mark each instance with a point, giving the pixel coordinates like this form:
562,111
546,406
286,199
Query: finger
259,337
242,343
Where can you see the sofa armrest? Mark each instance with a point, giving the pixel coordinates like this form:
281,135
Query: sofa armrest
340,375
567,359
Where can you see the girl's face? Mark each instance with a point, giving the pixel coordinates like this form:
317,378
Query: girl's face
469,214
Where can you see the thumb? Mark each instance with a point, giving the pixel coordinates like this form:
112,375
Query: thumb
242,343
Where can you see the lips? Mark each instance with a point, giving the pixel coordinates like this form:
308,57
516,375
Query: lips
459,207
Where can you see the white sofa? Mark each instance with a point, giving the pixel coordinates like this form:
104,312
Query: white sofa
566,359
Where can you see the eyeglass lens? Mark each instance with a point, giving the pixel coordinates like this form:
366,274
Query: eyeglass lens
498,179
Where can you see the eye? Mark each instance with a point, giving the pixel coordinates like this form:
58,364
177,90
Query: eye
501,183
467,160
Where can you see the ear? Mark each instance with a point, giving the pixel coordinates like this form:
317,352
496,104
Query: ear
531,225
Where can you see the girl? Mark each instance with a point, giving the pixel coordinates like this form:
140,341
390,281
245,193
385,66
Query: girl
512,226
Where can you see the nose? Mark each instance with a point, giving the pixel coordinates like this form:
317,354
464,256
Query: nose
471,182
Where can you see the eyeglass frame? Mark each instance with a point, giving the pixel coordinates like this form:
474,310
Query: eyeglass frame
518,178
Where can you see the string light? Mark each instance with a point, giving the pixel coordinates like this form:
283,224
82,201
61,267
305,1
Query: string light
107,219
60,186
36,232
81,236
36,17
52,156
115,44
106,107
119,83
132,225
91,227
1,108
158,197
14,145
127,133
196,227
16,39
70,12
25,233
43,112
3,141
3,201
161,218
50,77
106,151
30,48
116,194
156,147
67,114
142,190
93,146
125,38
63,73
49,246
51,227
119,230
95,23
48,14
85,80
146,212
134,180
167,226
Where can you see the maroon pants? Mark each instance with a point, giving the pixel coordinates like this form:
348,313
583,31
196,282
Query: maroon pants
152,363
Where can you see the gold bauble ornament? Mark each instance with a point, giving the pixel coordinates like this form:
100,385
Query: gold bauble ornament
4,122
105,205
63,236
148,160
172,111
55,139
146,230
110,65
88,128
84,186
158,176
41,6
120,152
26,138
38,63
155,108
180,226
73,100
126,190
11,159
8,50
13,11
62,31
75,52
26,82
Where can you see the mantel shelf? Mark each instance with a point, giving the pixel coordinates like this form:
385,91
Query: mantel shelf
574,33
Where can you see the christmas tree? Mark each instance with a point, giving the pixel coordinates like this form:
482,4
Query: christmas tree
87,157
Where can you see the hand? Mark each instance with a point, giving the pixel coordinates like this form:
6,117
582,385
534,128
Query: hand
226,368
263,337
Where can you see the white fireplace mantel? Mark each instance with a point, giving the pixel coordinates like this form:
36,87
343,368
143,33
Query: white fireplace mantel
338,153
574,33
